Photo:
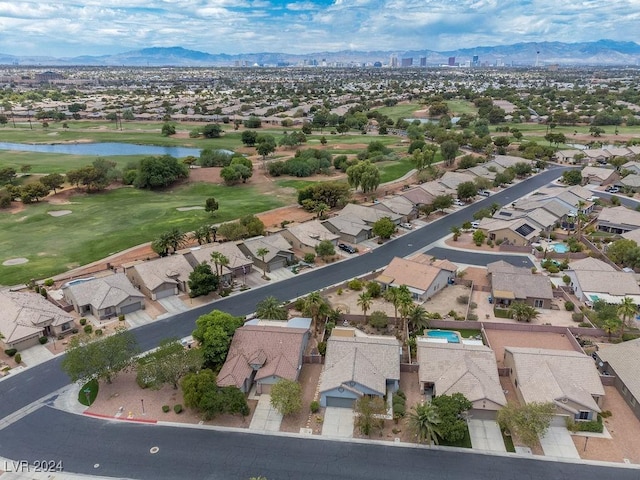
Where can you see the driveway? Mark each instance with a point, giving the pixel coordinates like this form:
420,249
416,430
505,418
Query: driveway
265,417
558,443
338,422
173,304
138,318
485,435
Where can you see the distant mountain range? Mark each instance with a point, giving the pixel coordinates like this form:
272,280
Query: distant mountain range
601,52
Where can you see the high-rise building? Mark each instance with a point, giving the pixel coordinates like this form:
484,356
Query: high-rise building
423,61
407,62
393,61
452,61
476,61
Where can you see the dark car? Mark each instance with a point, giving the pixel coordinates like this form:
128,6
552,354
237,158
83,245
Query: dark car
346,248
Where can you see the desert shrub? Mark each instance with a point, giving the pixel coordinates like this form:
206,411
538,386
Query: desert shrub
48,282
339,292
472,317
88,329
553,269
177,408
166,408
83,321
74,330
43,340
606,414
577,316
98,332
626,337
309,257
378,319
43,292
400,393
11,351
463,299
569,306
18,358
322,348
121,317
584,324
314,407
355,284
374,289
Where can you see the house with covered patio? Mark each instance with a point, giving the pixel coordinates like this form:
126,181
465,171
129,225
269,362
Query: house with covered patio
424,280
511,284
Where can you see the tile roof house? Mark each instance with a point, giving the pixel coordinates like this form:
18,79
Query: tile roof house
263,354
448,368
279,253
306,236
238,265
398,205
622,360
104,297
160,278
568,379
631,181
424,280
350,228
368,214
593,279
633,167
517,231
451,180
418,196
357,365
28,316
517,284
618,219
598,175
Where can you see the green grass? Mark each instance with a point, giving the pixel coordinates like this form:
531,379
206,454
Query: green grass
45,163
459,107
508,442
467,332
109,222
400,111
291,183
393,170
92,386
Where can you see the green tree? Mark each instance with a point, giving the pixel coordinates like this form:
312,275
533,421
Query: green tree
160,172
314,306
522,312
528,422
214,331
249,137
263,252
167,364
270,308
168,129
212,130
451,408
7,174
325,249
424,422
392,295
364,175
418,318
442,202
611,326
627,310
211,205
202,281
364,302
100,358
384,228
53,181
369,412
619,250
219,261
467,190
478,237
572,177
449,150
202,393
266,144
286,397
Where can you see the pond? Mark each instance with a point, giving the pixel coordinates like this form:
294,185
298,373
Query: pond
103,149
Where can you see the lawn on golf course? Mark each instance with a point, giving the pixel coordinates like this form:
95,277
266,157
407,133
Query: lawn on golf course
105,223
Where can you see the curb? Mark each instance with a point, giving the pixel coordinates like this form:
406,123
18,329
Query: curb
121,419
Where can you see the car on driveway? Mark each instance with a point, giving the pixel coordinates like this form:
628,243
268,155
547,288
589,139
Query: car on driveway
612,189
346,248
459,203
484,193
475,225
406,226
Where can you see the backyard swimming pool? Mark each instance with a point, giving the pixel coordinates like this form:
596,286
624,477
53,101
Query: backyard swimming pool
449,335
560,248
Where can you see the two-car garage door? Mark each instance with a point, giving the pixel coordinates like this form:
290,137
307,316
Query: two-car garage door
340,402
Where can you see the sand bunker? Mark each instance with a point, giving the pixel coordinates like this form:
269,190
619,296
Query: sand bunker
15,261
59,213
186,209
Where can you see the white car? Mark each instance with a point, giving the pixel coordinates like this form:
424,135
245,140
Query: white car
459,203
406,226
475,225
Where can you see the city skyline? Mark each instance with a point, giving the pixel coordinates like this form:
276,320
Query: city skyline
68,28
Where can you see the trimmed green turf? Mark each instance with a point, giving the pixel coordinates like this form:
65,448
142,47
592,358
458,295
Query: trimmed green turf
105,223
459,107
393,170
91,388
400,111
291,183
46,163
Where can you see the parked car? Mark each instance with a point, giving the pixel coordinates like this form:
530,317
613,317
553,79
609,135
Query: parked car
612,189
459,203
475,225
346,248
484,193
407,226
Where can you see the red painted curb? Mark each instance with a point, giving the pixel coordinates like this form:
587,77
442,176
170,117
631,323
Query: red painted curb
109,417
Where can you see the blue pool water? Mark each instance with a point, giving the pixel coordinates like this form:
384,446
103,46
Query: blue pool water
452,337
560,248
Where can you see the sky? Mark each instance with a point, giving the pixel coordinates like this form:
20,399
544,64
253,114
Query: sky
68,28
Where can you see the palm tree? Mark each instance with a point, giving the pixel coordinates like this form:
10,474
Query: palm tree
456,232
364,302
263,252
201,234
320,209
216,259
177,239
162,244
611,326
423,421
627,310
391,295
418,318
405,302
213,232
314,305
521,312
271,309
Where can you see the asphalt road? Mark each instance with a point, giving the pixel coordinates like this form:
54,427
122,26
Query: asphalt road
122,449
